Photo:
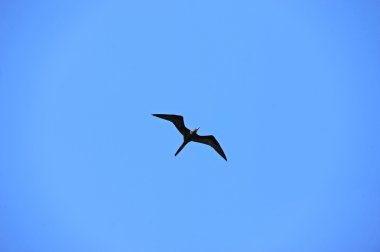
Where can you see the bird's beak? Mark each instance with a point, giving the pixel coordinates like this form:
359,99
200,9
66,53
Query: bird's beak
198,128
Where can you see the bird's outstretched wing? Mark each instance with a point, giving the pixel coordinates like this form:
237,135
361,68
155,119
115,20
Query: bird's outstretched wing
177,120
210,140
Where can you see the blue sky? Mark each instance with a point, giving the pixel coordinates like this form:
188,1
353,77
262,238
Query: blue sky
290,90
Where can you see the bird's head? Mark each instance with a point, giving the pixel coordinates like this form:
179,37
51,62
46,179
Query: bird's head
196,130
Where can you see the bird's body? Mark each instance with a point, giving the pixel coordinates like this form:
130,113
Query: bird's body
187,138
191,135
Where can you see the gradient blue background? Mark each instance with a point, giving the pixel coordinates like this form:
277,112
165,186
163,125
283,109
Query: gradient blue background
290,89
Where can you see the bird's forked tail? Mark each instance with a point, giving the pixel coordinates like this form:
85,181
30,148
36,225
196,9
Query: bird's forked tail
180,148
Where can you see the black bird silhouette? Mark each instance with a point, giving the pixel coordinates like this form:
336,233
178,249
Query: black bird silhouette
191,135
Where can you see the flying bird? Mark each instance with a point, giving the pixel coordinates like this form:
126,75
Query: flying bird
191,135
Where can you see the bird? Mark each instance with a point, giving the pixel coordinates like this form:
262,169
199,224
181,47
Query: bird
191,135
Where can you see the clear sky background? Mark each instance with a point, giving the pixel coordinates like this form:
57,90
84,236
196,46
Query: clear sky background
291,89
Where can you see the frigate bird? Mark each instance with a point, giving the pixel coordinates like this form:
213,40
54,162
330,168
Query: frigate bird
191,135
